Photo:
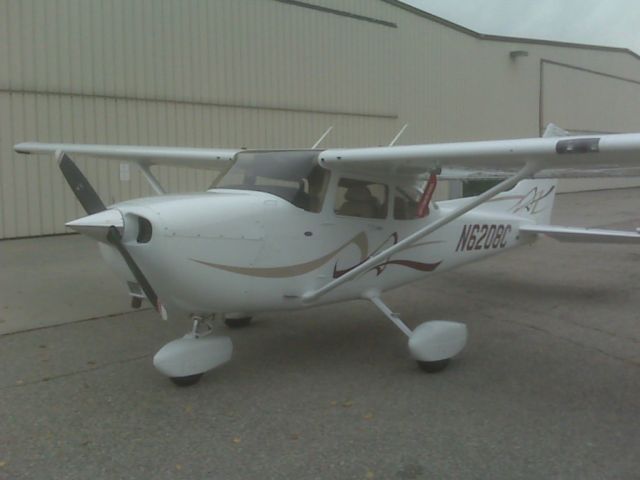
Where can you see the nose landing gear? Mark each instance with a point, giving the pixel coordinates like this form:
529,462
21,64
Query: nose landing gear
186,359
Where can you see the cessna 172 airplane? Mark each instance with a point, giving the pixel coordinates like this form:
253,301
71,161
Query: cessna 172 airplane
291,229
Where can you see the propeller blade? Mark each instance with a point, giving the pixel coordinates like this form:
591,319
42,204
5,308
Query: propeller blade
81,187
94,224
115,238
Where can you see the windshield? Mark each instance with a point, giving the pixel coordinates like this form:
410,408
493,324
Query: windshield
291,175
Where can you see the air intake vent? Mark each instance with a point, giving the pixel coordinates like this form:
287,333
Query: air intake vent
144,230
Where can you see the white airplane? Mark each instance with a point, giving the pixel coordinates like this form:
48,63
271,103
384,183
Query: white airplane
292,229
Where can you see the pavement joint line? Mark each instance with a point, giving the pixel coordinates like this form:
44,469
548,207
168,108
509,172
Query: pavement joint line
574,323
633,361
629,361
76,372
75,322
605,332
578,324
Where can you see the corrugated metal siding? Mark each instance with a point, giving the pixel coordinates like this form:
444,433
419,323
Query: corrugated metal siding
35,199
238,52
254,73
228,73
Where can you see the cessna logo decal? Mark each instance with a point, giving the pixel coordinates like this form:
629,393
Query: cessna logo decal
531,202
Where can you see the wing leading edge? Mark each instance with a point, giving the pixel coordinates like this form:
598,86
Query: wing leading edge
203,158
572,153
592,152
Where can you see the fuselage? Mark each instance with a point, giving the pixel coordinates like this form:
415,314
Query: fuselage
235,250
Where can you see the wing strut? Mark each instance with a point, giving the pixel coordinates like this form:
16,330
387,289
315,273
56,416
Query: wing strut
398,135
151,178
529,169
324,135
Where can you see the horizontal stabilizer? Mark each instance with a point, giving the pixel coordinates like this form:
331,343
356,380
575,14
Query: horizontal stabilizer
587,235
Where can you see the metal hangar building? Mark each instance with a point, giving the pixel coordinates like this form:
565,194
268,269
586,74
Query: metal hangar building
272,74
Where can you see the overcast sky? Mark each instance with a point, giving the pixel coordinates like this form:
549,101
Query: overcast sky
601,22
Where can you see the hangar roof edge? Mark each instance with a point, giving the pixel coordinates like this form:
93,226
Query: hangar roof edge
501,38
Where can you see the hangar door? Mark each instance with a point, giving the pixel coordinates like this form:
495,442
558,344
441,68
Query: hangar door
582,100
587,101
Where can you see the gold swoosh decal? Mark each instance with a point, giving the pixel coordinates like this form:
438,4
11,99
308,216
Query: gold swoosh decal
505,198
359,240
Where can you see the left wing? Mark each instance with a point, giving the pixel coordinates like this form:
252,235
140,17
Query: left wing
581,152
206,158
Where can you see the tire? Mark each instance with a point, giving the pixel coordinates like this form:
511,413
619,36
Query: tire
187,381
433,367
237,322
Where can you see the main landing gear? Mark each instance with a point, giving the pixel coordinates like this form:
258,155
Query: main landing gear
432,344
186,359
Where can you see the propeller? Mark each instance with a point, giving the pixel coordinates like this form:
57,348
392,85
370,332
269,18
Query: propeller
91,202
81,187
114,237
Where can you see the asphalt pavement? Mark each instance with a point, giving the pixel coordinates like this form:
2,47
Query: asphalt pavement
547,388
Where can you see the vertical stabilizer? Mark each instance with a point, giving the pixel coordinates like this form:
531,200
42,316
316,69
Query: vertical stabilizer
533,199
553,131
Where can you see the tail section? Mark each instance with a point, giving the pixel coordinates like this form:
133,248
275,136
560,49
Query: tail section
532,199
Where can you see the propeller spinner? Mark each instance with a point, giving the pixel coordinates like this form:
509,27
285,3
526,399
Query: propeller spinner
102,223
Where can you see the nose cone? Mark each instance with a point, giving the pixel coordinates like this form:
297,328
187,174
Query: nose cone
97,225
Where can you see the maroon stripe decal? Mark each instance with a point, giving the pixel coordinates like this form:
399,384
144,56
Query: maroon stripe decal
422,267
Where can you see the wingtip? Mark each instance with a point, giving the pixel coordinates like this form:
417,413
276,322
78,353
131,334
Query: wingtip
22,148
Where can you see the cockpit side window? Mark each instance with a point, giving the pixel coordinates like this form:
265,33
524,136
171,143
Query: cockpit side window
291,175
405,203
359,198
313,190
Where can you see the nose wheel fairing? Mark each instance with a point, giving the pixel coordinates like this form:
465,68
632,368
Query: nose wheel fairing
185,360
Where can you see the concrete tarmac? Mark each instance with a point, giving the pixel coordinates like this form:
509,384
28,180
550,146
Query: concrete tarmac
548,387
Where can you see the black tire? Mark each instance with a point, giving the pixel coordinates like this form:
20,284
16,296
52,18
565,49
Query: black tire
237,322
187,381
433,367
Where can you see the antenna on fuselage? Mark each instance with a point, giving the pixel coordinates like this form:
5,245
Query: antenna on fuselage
397,137
315,145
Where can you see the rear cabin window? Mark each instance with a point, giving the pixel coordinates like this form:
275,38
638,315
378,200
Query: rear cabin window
358,198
